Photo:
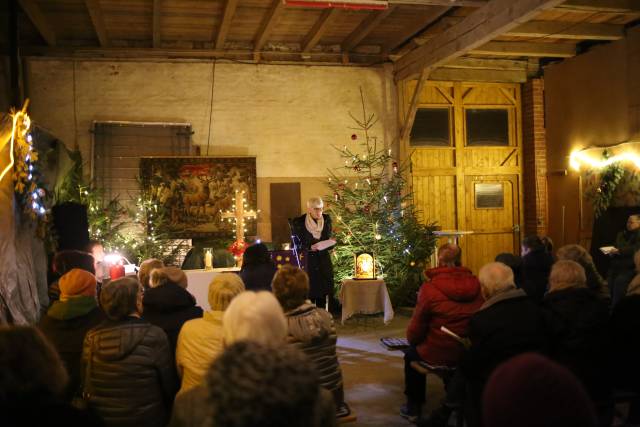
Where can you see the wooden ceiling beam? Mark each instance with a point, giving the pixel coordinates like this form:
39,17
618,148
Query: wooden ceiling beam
611,6
568,30
541,50
268,24
229,11
433,14
481,26
488,64
157,35
365,28
318,30
93,6
38,19
463,3
479,75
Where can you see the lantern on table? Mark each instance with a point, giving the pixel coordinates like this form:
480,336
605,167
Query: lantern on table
365,266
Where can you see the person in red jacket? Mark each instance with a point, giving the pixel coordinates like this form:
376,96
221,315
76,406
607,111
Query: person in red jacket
448,298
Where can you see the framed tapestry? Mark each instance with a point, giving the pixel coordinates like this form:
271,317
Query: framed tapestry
191,192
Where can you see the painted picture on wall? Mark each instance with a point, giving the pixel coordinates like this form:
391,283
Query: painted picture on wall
191,192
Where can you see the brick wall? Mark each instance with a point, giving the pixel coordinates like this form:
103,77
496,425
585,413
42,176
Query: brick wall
534,147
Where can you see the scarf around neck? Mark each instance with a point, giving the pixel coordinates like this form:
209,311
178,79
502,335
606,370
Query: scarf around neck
314,227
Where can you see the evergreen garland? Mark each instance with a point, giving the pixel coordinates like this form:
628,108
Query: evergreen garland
373,211
610,176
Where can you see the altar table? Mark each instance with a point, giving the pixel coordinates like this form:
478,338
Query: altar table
199,280
365,297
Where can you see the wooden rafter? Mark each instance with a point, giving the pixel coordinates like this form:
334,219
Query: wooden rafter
93,6
612,6
318,29
268,24
229,11
568,30
413,106
365,28
39,21
488,64
465,3
478,75
550,50
433,15
157,35
481,26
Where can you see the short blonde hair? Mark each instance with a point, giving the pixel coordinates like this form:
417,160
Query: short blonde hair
315,202
144,273
566,274
575,253
222,289
162,276
495,277
254,316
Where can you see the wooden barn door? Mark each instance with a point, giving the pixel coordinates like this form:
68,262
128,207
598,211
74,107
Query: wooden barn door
466,163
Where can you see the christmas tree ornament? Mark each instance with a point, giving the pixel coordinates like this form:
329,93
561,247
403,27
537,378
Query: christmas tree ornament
354,137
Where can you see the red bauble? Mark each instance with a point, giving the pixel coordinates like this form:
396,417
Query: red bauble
354,137
356,168
366,208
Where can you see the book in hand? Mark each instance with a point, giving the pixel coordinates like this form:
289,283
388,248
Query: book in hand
323,244
394,343
608,250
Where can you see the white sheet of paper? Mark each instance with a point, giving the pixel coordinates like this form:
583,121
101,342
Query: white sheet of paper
324,244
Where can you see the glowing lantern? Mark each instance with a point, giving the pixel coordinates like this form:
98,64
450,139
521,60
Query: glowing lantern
365,266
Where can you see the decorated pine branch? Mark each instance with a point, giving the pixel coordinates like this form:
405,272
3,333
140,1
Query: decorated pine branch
373,210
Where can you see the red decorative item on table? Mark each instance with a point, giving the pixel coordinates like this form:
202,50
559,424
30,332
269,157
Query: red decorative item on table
238,248
116,271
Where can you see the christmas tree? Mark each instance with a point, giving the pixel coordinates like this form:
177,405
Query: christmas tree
373,211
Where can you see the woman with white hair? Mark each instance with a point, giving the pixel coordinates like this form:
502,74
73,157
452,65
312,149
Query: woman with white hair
255,316
200,340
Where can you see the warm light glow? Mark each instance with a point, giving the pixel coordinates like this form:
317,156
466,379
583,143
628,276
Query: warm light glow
583,157
13,135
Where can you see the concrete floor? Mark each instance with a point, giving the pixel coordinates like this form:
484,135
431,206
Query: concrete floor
374,376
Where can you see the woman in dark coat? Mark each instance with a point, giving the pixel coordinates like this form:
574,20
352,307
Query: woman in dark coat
257,268
536,265
168,304
311,228
128,368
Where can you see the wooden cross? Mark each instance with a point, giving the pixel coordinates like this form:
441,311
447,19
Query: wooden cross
239,214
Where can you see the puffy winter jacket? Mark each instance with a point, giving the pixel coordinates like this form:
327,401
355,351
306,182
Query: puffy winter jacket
449,300
311,330
131,378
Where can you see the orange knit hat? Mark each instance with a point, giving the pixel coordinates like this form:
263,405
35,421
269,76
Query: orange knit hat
77,282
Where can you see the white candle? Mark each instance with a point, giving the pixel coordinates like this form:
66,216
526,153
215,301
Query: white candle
208,260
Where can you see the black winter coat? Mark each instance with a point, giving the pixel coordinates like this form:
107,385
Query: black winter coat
536,267
625,325
580,337
131,378
65,325
168,307
258,277
319,266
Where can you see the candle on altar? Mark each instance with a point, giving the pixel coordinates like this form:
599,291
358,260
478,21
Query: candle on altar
208,259
116,271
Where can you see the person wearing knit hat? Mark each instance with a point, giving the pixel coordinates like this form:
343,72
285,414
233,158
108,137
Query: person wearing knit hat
200,340
67,320
530,390
167,303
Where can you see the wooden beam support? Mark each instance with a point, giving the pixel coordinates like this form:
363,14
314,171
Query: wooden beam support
481,26
462,3
365,28
318,29
433,14
229,11
157,35
568,30
540,50
413,106
93,6
475,75
487,64
39,21
611,6
268,24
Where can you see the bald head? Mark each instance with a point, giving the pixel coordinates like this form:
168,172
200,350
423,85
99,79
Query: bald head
495,278
448,255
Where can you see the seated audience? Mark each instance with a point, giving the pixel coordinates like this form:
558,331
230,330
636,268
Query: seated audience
579,326
67,321
508,323
129,371
200,340
167,303
622,268
257,268
144,273
65,261
311,330
33,383
448,299
595,281
514,262
530,390
536,266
